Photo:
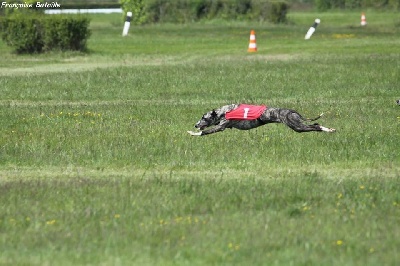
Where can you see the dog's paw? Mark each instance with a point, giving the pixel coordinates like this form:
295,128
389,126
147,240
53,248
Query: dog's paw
330,130
194,133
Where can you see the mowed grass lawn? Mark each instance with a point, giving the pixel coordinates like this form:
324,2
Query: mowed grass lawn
96,167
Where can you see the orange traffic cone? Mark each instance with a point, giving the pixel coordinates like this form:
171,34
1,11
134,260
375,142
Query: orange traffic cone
363,20
252,44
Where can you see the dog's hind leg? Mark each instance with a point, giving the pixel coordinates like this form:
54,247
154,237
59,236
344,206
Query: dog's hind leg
294,121
330,130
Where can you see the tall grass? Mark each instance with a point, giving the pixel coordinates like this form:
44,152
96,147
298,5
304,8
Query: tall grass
184,218
96,166
110,116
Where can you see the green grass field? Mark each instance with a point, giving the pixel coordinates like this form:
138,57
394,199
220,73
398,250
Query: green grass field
96,167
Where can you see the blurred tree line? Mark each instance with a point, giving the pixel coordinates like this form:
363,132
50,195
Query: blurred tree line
181,11
317,4
323,5
155,11
151,11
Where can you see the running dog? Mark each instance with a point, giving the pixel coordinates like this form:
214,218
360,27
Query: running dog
245,117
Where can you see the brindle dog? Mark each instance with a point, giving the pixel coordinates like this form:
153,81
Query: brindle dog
288,117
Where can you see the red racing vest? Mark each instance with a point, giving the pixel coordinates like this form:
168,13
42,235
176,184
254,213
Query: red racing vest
245,112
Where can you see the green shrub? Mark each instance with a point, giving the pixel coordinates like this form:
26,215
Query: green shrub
35,34
277,12
66,33
23,33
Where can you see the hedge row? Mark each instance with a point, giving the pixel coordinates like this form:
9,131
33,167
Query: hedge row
36,34
352,4
182,11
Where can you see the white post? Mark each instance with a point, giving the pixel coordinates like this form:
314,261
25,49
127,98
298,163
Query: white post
312,29
127,23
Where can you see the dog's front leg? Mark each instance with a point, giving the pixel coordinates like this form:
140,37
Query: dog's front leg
195,133
215,129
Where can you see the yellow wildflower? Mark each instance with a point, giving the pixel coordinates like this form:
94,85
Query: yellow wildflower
371,250
51,222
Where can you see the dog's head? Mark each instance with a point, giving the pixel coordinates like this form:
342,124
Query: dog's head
398,101
209,119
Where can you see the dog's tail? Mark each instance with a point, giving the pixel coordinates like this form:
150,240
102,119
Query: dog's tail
313,119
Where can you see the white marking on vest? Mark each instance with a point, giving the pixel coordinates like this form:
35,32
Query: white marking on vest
246,111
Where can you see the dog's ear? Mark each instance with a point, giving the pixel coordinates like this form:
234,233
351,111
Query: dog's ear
213,113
